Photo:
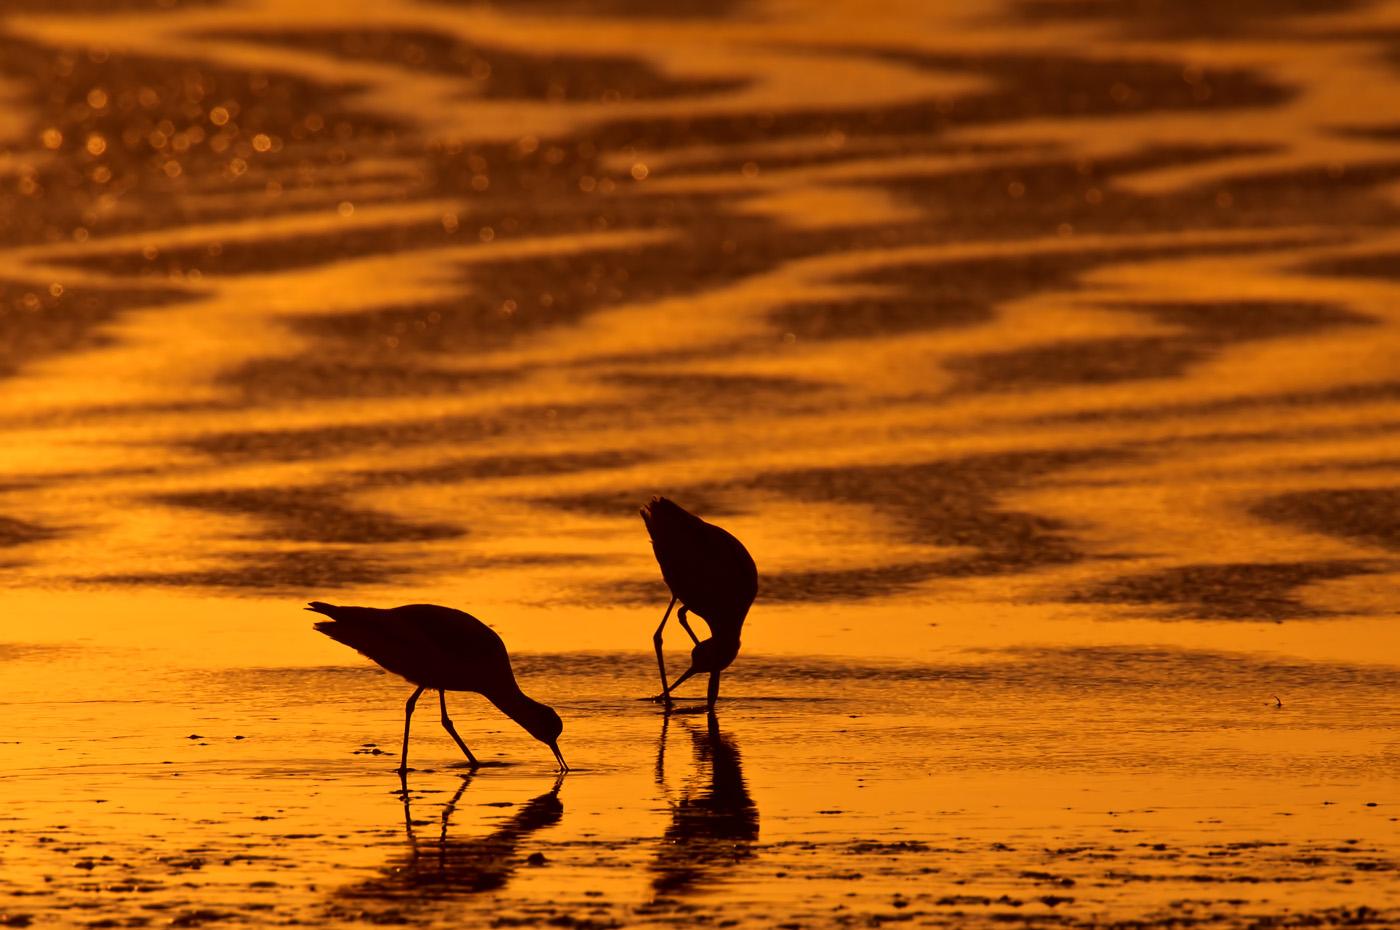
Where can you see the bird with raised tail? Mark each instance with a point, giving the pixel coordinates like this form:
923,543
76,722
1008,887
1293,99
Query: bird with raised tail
445,650
713,576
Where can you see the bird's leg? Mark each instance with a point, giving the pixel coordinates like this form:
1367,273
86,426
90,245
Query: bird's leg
714,690
407,716
680,615
660,660
446,722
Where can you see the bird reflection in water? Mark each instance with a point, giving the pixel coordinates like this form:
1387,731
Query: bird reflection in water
713,827
447,867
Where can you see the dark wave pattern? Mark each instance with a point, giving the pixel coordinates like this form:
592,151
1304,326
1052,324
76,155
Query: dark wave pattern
1091,304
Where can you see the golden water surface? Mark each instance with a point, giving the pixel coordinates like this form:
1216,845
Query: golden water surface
1043,353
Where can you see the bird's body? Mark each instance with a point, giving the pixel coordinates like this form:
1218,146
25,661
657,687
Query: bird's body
712,575
436,647
445,650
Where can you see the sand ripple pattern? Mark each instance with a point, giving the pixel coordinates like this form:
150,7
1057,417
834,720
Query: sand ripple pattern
1092,305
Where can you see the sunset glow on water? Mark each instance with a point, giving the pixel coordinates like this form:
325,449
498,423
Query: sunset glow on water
1043,354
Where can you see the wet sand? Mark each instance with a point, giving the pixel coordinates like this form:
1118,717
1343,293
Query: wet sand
1073,786
1042,355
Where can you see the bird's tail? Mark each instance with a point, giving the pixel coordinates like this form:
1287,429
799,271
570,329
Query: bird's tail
328,626
360,628
660,512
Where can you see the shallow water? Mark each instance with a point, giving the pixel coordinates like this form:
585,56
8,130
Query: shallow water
1043,355
1084,786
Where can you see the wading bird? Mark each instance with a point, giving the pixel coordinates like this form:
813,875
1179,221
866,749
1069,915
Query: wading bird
712,575
446,650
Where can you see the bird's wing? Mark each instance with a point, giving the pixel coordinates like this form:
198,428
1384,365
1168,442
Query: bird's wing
456,632
430,645
703,565
741,568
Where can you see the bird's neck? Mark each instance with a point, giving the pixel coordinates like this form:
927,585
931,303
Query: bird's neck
512,702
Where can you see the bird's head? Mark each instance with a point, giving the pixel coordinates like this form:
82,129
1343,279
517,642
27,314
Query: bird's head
544,724
711,656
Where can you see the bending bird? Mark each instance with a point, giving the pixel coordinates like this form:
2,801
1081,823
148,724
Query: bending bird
712,575
445,650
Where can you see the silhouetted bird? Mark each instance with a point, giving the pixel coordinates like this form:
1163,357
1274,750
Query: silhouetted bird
446,650
712,575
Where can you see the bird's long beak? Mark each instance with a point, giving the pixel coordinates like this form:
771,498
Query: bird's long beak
679,681
563,766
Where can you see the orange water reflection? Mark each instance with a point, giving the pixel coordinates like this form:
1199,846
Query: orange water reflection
1042,356
713,826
